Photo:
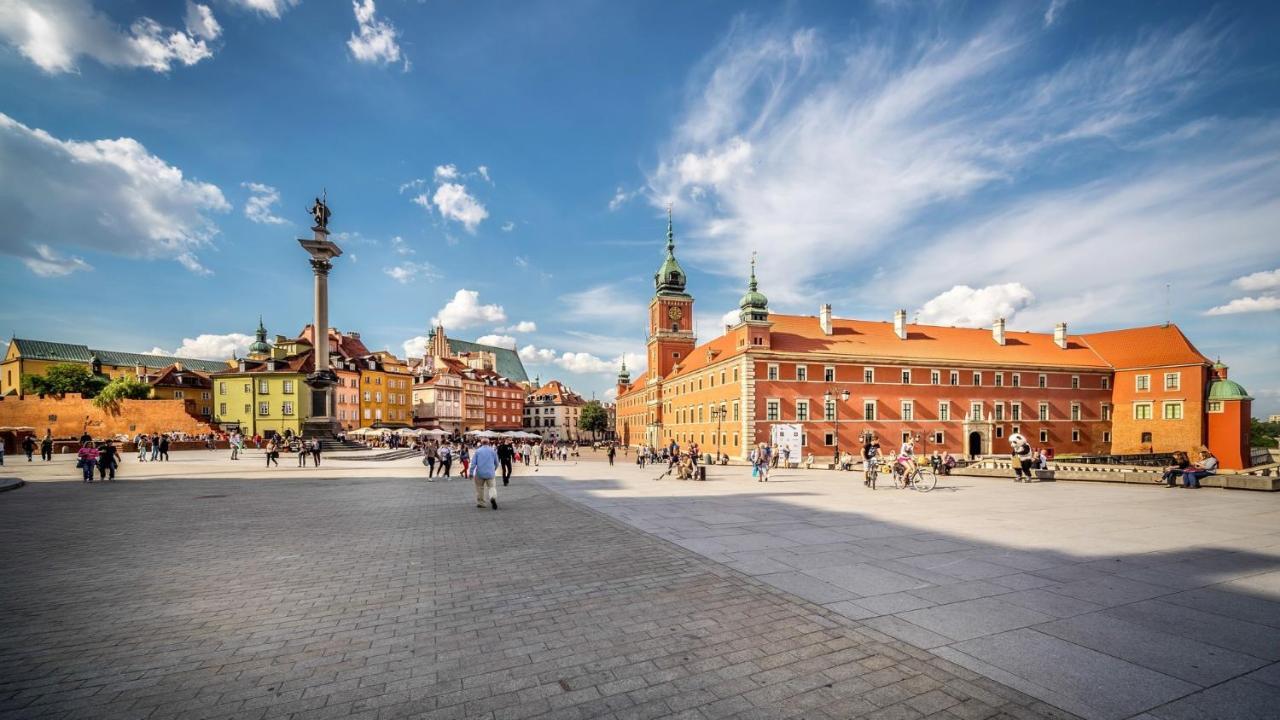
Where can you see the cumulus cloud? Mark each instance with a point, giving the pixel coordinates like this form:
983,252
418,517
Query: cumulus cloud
716,166
1264,303
210,347
54,33
455,203
109,196
483,170
415,347
1264,280
502,341
524,326
466,310
374,40
48,263
576,362
446,172
407,272
621,197
975,307
258,207
271,8
532,354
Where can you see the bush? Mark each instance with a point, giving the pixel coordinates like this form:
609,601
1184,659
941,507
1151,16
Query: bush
122,388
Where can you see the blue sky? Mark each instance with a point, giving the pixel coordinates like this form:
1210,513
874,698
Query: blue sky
504,167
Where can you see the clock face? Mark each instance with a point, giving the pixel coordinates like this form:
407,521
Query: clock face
674,312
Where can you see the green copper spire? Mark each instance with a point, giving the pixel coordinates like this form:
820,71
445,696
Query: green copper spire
754,305
260,346
670,278
624,377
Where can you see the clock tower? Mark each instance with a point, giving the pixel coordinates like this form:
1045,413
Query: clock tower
670,313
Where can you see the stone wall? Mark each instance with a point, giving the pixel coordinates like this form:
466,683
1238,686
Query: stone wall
73,415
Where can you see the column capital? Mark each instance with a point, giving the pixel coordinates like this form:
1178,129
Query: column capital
321,266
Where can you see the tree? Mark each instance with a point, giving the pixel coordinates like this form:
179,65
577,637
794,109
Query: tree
1263,434
64,378
593,418
122,388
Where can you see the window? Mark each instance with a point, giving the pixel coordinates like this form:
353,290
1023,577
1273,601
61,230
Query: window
1215,406
377,396
1173,410
829,410
908,410
1146,437
1106,411
955,377
906,437
1044,411
937,438
286,408
263,387
868,375
288,387
1044,436
906,377
204,396
735,409
829,439
944,411
999,431
1015,430
999,379
1042,381
975,411
1075,412
802,373
1106,436
1075,436
179,394
999,411
772,373
735,439
264,409
222,388
1075,382
869,410
1106,383
802,410
828,374
1142,383
367,414
771,410
721,377
1172,381
935,377
1142,411
248,408
1016,379
735,374
977,379
204,410
222,408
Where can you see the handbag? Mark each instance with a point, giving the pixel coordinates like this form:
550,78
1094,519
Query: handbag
755,471
426,461
80,464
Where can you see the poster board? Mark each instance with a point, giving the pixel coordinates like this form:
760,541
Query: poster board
789,437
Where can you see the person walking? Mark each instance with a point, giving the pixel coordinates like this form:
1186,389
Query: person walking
302,449
87,460
46,445
29,446
613,451
144,447
430,450
483,468
446,461
273,452
464,456
315,452
108,461
505,454
155,447
164,447
234,442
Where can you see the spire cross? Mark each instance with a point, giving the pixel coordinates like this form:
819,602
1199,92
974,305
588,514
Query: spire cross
753,269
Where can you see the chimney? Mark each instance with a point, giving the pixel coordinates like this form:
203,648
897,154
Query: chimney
900,324
1060,335
354,335
997,331
824,318
242,365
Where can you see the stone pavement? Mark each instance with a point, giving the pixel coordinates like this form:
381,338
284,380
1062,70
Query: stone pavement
1109,601
309,597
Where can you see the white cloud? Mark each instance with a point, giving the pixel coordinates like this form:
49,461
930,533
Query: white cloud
508,226
1051,12
621,197
374,40
210,347
270,8
400,247
446,172
610,393
422,200
258,207
484,173
969,307
819,154
602,302
54,33
110,196
503,341
576,362
521,262
455,203
48,263
524,326
1264,303
465,310
408,271
415,347
1264,280
532,354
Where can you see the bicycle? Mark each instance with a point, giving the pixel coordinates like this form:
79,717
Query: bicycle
923,479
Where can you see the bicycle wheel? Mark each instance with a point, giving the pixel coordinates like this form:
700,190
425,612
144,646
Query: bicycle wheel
871,477
924,480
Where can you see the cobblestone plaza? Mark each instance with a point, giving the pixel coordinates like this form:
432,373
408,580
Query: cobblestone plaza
219,589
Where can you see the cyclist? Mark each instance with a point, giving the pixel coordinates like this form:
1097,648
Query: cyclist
870,456
907,458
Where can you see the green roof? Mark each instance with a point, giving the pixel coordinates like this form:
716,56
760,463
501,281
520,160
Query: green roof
1227,390
508,361
66,352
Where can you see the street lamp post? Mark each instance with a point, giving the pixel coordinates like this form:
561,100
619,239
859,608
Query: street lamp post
718,412
827,398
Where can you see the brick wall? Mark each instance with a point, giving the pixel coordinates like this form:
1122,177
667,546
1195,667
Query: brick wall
72,415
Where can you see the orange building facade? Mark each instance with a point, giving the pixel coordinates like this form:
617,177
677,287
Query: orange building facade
961,390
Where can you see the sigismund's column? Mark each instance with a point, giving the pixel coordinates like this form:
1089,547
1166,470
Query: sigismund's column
322,420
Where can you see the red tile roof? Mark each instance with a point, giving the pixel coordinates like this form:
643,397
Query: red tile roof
1155,346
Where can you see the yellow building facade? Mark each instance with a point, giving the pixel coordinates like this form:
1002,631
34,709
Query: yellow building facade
386,391
263,397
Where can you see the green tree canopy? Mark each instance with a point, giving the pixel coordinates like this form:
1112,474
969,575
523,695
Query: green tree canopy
64,378
1263,434
122,388
593,418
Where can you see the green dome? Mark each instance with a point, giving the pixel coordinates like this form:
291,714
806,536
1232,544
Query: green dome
260,346
670,278
753,305
1227,390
